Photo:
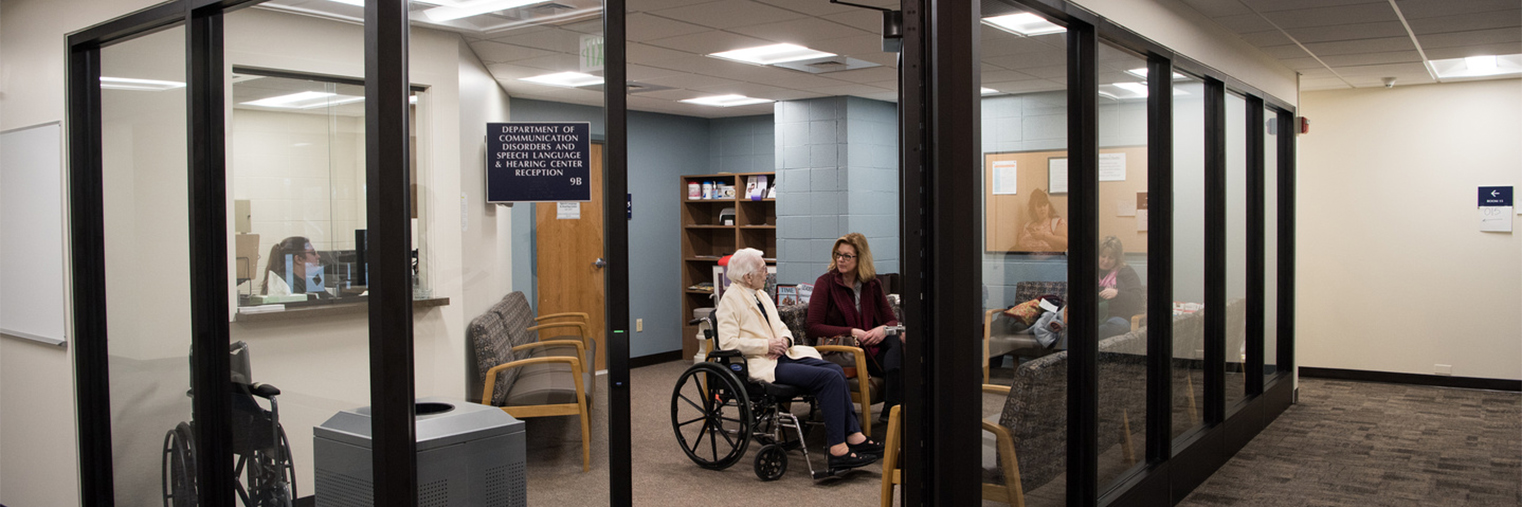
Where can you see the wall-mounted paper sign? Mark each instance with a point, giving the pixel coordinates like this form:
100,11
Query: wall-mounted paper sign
1112,167
1057,175
538,162
1495,207
1004,177
1125,208
568,211
1141,220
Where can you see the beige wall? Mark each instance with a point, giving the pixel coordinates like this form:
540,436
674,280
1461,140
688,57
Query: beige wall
1394,274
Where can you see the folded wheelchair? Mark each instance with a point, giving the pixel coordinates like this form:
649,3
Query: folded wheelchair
266,474
717,409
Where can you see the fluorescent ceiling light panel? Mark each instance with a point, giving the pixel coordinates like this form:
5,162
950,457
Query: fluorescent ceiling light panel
727,100
1477,66
359,3
142,85
476,8
565,79
305,100
988,91
1024,24
1142,73
775,53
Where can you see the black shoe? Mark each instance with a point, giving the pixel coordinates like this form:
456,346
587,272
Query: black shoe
851,460
867,446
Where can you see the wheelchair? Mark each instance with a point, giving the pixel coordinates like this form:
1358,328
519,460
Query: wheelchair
265,471
716,410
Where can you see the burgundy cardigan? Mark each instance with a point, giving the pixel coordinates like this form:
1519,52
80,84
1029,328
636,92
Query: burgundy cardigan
832,312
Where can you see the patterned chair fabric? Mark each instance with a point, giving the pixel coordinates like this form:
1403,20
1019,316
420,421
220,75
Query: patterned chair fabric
493,335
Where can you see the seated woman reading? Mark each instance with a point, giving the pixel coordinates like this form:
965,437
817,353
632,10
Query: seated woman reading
749,323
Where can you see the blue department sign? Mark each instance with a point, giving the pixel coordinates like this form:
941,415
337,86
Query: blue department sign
538,161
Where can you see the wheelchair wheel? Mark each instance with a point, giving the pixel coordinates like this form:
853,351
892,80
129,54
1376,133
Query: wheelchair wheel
710,414
771,462
179,466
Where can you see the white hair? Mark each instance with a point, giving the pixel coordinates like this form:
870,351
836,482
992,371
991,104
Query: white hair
745,262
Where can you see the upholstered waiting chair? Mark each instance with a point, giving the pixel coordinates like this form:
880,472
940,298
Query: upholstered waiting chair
522,377
576,327
1007,491
861,384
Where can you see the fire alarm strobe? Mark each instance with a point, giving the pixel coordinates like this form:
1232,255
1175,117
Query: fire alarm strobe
1304,124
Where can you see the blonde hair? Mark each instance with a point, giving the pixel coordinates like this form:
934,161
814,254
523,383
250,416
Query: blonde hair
865,271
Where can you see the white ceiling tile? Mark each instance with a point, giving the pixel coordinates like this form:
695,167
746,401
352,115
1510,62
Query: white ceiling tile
884,59
670,95
797,80
1400,80
1319,84
872,75
1026,60
1003,75
656,5
886,85
1471,38
1464,22
1053,72
558,40
803,32
1339,61
1285,5
757,90
1398,70
1266,38
496,52
1333,15
856,46
1245,23
1298,64
1348,47
809,7
1317,73
854,89
688,81
862,19
707,43
1218,8
646,54
797,95
1417,9
557,62
726,14
643,27
885,96
641,72
1351,31
1284,51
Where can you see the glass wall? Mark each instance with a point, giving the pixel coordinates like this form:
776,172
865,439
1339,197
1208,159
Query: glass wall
147,247
1123,257
1188,254
1236,250
1270,242
1025,243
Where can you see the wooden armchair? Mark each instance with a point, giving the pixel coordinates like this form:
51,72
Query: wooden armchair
579,330
1009,492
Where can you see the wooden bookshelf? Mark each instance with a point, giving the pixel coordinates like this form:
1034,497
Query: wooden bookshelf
707,237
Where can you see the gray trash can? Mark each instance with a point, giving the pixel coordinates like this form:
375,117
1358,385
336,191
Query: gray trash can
467,454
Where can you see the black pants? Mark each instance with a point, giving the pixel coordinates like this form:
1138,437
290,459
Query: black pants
888,363
828,383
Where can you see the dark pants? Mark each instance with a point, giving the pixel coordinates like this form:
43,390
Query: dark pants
828,383
888,363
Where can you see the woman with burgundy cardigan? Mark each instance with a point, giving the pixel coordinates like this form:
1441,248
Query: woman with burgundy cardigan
850,300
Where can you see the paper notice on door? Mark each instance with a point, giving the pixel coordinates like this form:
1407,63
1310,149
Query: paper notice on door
1125,208
1112,167
568,210
1141,220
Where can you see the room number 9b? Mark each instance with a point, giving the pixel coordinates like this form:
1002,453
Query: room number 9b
575,182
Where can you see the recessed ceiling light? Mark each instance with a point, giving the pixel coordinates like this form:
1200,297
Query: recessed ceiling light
727,100
1142,73
775,53
359,3
1477,66
565,79
305,100
987,91
467,9
1024,24
142,85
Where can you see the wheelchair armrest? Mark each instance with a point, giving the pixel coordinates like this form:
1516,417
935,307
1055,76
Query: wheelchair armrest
720,354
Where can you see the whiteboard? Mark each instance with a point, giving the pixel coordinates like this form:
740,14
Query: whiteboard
31,234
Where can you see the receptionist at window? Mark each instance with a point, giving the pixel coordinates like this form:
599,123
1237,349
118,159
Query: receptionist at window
294,268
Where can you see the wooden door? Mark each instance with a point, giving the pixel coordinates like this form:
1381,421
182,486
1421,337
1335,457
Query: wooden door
568,251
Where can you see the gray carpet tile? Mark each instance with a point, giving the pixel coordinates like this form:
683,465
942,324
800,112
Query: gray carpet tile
1355,443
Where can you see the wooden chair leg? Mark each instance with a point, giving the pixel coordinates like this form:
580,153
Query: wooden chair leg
1125,437
891,474
866,405
1194,414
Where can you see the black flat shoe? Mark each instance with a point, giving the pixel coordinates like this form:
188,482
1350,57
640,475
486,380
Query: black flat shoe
867,446
851,460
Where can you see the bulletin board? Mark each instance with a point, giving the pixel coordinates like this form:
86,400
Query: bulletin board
1005,212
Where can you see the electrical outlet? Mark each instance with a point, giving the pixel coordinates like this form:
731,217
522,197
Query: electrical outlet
1443,369
639,325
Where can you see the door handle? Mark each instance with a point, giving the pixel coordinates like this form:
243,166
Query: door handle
599,263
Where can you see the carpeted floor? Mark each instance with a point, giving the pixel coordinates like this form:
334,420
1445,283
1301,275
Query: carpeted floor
1346,443
1355,443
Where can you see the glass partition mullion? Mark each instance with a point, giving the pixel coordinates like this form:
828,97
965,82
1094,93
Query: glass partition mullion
1215,251
1160,266
1253,369
1083,279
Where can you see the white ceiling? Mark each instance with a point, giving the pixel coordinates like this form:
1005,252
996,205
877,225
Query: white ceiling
1357,43
1333,43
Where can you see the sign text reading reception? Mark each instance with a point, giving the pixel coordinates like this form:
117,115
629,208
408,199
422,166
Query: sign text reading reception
538,161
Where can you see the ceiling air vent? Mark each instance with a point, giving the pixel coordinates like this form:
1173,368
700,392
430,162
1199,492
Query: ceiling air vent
827,65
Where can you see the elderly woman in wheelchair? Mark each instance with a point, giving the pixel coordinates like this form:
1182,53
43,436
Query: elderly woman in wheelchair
748,322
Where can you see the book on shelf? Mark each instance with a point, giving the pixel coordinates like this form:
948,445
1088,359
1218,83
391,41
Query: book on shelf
757,191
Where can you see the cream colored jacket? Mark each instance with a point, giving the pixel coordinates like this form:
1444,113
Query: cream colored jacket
743,328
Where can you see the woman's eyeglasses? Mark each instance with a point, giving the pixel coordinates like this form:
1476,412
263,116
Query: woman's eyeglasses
844,256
